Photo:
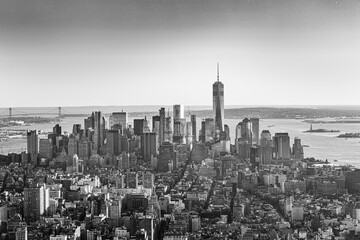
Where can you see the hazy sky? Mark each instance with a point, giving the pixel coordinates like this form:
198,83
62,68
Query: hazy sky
115,52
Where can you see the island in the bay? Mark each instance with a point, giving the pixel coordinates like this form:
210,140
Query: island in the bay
320,130
349,135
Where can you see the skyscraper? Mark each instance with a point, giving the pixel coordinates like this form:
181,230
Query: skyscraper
266,148
57,129
243,138
146,127
76,129
168,132
120,118
149,145
243,148
156,124
139,126
189,133
193,126
246,130
297,150
282,146
113,142
161,126
210,128
99,130
178,111
179,129
167,155
32,146
72,145
227,132
202,131
45,148
85,148
218,103
89,122
254,156
35,202
255,130
237,133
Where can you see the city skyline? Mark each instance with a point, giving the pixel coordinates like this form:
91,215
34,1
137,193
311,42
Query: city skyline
113,123
264,48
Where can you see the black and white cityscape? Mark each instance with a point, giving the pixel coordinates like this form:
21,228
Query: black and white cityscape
179,120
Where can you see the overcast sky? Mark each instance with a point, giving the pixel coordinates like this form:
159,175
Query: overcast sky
116,52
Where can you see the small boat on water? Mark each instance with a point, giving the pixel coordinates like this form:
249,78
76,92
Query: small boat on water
305,145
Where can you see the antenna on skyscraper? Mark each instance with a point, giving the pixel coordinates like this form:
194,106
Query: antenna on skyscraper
218,72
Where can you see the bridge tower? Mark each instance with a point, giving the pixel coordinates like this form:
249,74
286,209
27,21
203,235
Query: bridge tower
59,111
10,112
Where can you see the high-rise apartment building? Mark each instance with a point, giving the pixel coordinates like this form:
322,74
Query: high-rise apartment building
36,200
113,211
131,179
148,179
218,103
21,233
3,212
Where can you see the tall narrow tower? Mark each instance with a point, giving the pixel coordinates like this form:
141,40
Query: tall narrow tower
218,103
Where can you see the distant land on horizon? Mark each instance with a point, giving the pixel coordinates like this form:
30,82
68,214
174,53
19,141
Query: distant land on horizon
232,112
137,108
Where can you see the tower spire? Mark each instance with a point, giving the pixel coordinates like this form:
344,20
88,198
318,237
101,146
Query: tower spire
218,72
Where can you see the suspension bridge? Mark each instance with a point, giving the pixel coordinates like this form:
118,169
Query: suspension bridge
14,112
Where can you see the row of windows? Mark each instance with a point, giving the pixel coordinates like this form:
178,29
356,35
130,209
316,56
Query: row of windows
221,93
